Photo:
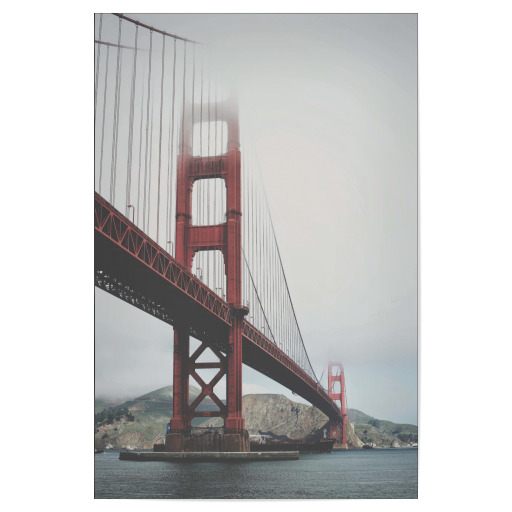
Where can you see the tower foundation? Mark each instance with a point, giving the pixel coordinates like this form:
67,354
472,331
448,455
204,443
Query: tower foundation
207,440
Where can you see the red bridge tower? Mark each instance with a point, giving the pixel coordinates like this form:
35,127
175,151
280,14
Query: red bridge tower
226,237
338,426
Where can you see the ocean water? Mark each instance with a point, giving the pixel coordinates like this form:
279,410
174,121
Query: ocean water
367,474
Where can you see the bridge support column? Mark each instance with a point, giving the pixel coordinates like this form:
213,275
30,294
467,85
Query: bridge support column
180,420
236,437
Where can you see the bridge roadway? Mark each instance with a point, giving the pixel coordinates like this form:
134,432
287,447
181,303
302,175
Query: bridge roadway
131,266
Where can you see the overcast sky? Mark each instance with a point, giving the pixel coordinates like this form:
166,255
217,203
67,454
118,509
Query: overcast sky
330,104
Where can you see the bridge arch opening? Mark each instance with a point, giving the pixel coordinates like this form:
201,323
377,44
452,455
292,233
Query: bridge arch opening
209,267
336,387
210,138
209,202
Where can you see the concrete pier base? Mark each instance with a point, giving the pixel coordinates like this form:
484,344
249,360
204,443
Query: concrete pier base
208,456
207,440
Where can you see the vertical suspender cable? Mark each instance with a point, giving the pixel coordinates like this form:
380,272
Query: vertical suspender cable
182,141
199,190
244,219
253,226
222,262
260,245
263,273
196,221
271,283
170,154
144,223
103,120
96,75
281,314
216,253
160,142
115,126
132,115
184,96
151,125
140,150
208,182
268,273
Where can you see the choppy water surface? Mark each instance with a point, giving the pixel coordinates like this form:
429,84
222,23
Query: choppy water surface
386,473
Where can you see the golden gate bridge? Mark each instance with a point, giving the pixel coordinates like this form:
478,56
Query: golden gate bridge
183,229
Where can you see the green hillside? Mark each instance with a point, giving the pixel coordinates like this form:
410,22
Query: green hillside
356,416
381,432
100,404
165,394
138,422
